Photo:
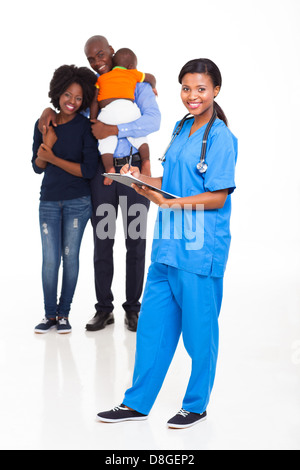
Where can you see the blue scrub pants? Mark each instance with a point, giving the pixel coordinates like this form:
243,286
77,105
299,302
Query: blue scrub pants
175,302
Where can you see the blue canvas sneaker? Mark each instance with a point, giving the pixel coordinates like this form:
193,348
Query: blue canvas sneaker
185,419
45,325
63,326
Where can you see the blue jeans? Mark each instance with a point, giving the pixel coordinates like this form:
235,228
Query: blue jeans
62,225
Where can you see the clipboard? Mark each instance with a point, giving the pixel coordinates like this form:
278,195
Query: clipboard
128,180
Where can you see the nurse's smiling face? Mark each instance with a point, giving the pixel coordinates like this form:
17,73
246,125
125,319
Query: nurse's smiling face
198,94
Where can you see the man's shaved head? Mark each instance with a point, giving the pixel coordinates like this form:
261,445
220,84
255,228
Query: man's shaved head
94,39
99,54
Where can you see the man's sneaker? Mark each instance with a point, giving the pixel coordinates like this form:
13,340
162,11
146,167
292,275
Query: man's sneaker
119,414
63,326
45,325
185,419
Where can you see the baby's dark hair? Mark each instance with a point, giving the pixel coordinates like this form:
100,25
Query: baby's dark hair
125,58
64,76
207,67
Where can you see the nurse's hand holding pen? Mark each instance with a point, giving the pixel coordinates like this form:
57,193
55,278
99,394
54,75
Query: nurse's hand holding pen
153,196
133,170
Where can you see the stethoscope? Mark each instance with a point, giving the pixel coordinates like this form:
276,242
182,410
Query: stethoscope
202,165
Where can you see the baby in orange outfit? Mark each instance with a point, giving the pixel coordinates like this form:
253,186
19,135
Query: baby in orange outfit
115,99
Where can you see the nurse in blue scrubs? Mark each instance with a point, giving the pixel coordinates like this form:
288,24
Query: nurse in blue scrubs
184,288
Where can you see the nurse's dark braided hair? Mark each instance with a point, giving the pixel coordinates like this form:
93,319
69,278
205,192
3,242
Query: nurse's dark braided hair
64,76
207,67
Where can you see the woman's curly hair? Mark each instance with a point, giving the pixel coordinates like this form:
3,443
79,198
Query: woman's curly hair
64,76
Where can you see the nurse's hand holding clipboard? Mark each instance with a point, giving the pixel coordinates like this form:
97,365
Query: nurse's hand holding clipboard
153,196
207,200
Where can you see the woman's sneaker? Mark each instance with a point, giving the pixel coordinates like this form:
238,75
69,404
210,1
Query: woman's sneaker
63,326
45,325
119,414
185,419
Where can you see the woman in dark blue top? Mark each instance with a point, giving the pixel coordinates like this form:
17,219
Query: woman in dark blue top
68,157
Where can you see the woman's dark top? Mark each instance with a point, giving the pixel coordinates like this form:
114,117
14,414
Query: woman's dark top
75,143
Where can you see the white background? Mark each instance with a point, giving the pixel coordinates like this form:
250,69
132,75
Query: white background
256,46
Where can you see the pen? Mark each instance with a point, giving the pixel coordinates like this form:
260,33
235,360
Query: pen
130,159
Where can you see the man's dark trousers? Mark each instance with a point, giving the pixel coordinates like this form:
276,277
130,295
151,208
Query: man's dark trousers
119,197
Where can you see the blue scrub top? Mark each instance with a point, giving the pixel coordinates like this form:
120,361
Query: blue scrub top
197,241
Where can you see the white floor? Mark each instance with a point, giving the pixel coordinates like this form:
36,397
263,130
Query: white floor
53,386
